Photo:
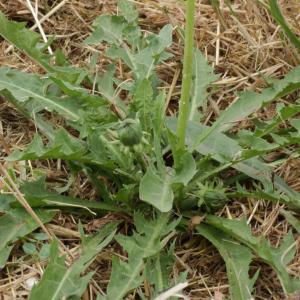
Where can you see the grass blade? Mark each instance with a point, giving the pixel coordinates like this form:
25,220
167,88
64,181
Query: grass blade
277,15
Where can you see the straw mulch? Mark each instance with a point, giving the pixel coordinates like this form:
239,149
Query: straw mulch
243,46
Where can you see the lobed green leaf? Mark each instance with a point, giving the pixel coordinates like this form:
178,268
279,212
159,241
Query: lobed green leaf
58,281
237,259
145,243
277,258
25,40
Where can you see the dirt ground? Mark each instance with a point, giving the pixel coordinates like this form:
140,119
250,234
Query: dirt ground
244,45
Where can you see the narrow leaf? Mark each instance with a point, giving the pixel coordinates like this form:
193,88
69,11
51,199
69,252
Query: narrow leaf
38,196
295,222
250,102
29,42
284,114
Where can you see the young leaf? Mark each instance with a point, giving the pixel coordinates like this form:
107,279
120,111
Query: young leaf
162,41
107,29
126,55
15,224
44,253
58,281
128,11
105,84
142,103
154,53
155,189
186,169
203,75
29,248
144,54
237,259
277,258
145,243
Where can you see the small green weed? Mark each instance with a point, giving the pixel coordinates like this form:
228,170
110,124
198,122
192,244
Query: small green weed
144,163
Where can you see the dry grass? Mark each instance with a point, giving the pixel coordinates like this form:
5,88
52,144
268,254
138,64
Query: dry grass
243,47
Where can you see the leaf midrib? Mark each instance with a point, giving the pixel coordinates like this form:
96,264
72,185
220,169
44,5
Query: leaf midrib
47,100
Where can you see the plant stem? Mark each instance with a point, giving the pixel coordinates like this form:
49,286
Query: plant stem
184,103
